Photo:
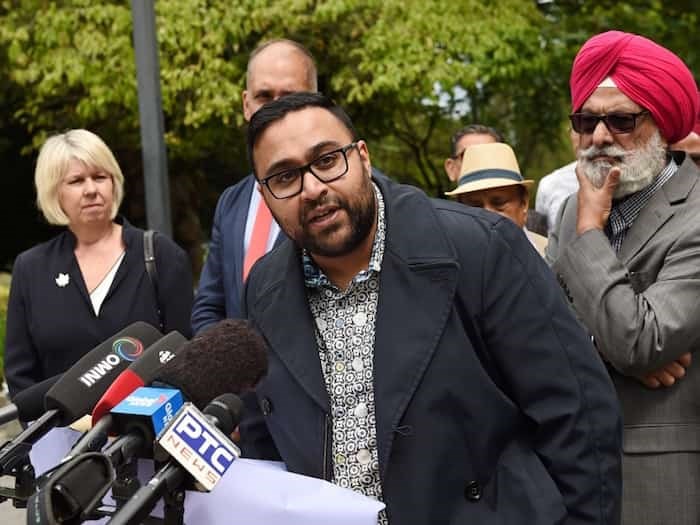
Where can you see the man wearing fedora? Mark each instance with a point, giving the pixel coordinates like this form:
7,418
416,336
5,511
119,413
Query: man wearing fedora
627,254
490,179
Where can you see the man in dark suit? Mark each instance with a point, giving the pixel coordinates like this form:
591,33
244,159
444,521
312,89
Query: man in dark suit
627,253
420,351
275,68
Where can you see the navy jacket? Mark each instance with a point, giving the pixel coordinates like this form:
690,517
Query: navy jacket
492,406
221,282
50,327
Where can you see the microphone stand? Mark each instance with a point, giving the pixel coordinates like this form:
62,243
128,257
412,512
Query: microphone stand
14,452
14,459
135,501
126,483
167,483
25,483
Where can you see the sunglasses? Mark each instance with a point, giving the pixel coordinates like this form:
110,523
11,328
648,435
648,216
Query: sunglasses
615,122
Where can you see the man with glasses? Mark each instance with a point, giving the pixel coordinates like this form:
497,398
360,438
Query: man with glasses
420,351
627,253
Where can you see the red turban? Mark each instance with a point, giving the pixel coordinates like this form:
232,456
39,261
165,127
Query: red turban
650,75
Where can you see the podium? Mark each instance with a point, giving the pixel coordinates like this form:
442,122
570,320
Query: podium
251,492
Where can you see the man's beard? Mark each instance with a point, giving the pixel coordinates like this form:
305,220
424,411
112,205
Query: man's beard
362,211
638,167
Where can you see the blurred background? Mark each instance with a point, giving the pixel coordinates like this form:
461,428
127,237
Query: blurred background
409,72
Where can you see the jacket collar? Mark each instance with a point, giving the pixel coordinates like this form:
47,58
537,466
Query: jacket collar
661,207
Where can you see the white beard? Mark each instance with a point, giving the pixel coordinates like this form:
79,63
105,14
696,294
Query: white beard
638,167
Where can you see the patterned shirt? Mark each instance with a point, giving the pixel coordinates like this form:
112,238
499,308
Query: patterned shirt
345,328
625,211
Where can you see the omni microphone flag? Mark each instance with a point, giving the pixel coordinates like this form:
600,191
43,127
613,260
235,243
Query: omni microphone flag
79,389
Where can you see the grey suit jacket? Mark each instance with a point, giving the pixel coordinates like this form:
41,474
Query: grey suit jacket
642,308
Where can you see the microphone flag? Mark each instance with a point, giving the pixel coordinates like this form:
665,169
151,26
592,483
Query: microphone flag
201,448
156,406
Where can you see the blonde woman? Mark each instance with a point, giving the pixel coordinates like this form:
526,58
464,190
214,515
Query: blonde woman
79,288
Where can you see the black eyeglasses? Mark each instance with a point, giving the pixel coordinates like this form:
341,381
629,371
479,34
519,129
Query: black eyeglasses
615,122
326,168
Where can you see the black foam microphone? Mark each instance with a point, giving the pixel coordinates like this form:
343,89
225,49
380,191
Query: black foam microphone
28,404
78,389
224,413
229,356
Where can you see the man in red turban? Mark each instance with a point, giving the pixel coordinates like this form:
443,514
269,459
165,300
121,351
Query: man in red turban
626,250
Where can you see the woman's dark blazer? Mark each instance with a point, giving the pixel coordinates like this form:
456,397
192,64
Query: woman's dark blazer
50,327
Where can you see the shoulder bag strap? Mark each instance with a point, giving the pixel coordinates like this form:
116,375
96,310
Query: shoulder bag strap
149,256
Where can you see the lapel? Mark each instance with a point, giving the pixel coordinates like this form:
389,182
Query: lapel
415,301
67,263
130,237
285,319
417,286
659,209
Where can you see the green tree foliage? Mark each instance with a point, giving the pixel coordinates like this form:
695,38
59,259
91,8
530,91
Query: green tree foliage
410,72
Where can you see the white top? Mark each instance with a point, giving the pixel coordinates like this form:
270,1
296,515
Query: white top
97,296
539,242
255,199
552,190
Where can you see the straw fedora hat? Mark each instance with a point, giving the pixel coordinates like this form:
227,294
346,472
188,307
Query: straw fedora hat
486,166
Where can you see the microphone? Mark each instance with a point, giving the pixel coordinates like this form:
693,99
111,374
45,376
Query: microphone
79,388
84,383
28,404
58,502
229,356
75,487
196,440
138,419
140,373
